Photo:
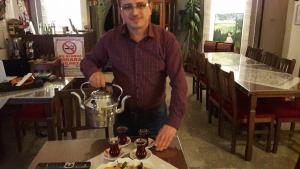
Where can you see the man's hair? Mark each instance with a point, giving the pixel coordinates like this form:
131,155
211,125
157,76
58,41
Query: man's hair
119,2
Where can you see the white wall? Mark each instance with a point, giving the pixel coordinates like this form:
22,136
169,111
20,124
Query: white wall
292,36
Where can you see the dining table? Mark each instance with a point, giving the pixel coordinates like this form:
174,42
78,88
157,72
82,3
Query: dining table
41,95
89,148
256,80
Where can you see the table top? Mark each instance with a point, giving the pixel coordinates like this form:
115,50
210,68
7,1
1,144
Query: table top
256,78
37,94
85,149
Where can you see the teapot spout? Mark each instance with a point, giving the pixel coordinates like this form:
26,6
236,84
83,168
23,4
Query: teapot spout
121,109
79,99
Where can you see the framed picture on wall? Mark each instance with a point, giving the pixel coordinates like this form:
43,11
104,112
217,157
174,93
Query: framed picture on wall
297,18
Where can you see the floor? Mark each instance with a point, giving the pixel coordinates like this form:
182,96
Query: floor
202,147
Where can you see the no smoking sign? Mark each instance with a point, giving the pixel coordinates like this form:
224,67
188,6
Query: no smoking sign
69,47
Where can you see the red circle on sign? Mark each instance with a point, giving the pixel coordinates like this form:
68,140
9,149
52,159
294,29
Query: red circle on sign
69,47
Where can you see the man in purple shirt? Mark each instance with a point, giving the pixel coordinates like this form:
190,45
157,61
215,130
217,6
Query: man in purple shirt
143,55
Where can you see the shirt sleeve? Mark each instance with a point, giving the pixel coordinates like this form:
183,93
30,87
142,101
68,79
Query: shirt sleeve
178,82
95,59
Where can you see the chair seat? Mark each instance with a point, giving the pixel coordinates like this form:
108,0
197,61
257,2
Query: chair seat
244,110
32,112
284,109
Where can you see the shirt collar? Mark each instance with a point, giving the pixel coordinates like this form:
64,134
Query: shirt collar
150,33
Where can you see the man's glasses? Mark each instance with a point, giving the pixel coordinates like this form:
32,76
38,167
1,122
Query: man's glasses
130,7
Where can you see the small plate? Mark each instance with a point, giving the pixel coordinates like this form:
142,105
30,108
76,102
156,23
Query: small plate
150,143
108,157
127,143
133,156
146,163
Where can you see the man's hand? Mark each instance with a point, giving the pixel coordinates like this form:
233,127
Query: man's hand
97,79
164,137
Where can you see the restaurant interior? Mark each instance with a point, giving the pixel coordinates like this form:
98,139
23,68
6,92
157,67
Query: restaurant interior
242,65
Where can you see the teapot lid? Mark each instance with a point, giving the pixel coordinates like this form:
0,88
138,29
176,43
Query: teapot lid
101,94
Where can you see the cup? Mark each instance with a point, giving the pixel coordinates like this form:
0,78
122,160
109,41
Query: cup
140,148
144,133
122,134
114,149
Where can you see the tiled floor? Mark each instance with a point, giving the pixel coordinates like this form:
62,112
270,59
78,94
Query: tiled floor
202,147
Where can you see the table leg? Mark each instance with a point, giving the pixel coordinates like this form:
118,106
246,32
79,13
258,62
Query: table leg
251,127
50,122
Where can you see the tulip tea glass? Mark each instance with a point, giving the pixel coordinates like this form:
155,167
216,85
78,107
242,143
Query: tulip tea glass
144,133
140,148
114,149
122,134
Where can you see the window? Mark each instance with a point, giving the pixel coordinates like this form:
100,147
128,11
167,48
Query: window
227,20
60,11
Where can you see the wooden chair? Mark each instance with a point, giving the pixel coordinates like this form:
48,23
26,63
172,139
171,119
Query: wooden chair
286,65
270,59
298,163
199,78
224,47
237,110
213,93
254,53
70,117
34,112
210,46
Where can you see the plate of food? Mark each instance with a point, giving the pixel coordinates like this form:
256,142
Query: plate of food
127,163
107,156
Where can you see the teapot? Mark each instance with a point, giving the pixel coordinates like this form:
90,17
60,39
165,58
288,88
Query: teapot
101,107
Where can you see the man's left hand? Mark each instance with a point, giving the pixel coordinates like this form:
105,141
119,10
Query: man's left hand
164,137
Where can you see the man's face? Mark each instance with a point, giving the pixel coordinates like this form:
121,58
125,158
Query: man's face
136,13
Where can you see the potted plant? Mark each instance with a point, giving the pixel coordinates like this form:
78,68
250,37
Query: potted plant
191,23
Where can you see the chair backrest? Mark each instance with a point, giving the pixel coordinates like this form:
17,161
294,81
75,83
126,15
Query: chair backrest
210,46
70,117
228,94
286,65
200,64
55,68
270,59
254,53
225,47
212,77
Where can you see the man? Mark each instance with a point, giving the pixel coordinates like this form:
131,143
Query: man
142,56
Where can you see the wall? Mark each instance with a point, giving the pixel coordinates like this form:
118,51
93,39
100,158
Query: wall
273,26
292,36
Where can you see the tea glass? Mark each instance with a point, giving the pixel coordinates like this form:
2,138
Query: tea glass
144,133
114,149
140,148
122,134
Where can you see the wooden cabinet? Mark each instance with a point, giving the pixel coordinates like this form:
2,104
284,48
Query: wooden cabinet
44,43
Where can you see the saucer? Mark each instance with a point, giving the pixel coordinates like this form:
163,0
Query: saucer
108,157
127,143
150,143
133,156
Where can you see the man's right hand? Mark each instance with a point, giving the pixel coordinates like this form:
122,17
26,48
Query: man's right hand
97,79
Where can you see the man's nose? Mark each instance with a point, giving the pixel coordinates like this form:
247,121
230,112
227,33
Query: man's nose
135,11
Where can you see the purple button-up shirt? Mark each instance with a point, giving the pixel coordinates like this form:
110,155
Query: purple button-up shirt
141,68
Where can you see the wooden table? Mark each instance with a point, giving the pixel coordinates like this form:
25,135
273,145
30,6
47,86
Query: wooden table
257,81
85,149
43,95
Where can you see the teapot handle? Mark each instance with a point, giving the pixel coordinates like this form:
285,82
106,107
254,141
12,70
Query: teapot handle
81,86
121,91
